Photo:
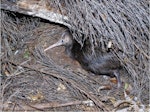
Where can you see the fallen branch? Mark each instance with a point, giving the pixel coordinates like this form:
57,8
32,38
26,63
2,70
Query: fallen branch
56,104
35,10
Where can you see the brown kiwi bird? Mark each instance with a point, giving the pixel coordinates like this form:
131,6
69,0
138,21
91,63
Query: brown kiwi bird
98,63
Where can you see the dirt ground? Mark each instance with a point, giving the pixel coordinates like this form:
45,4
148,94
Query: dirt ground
36,80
